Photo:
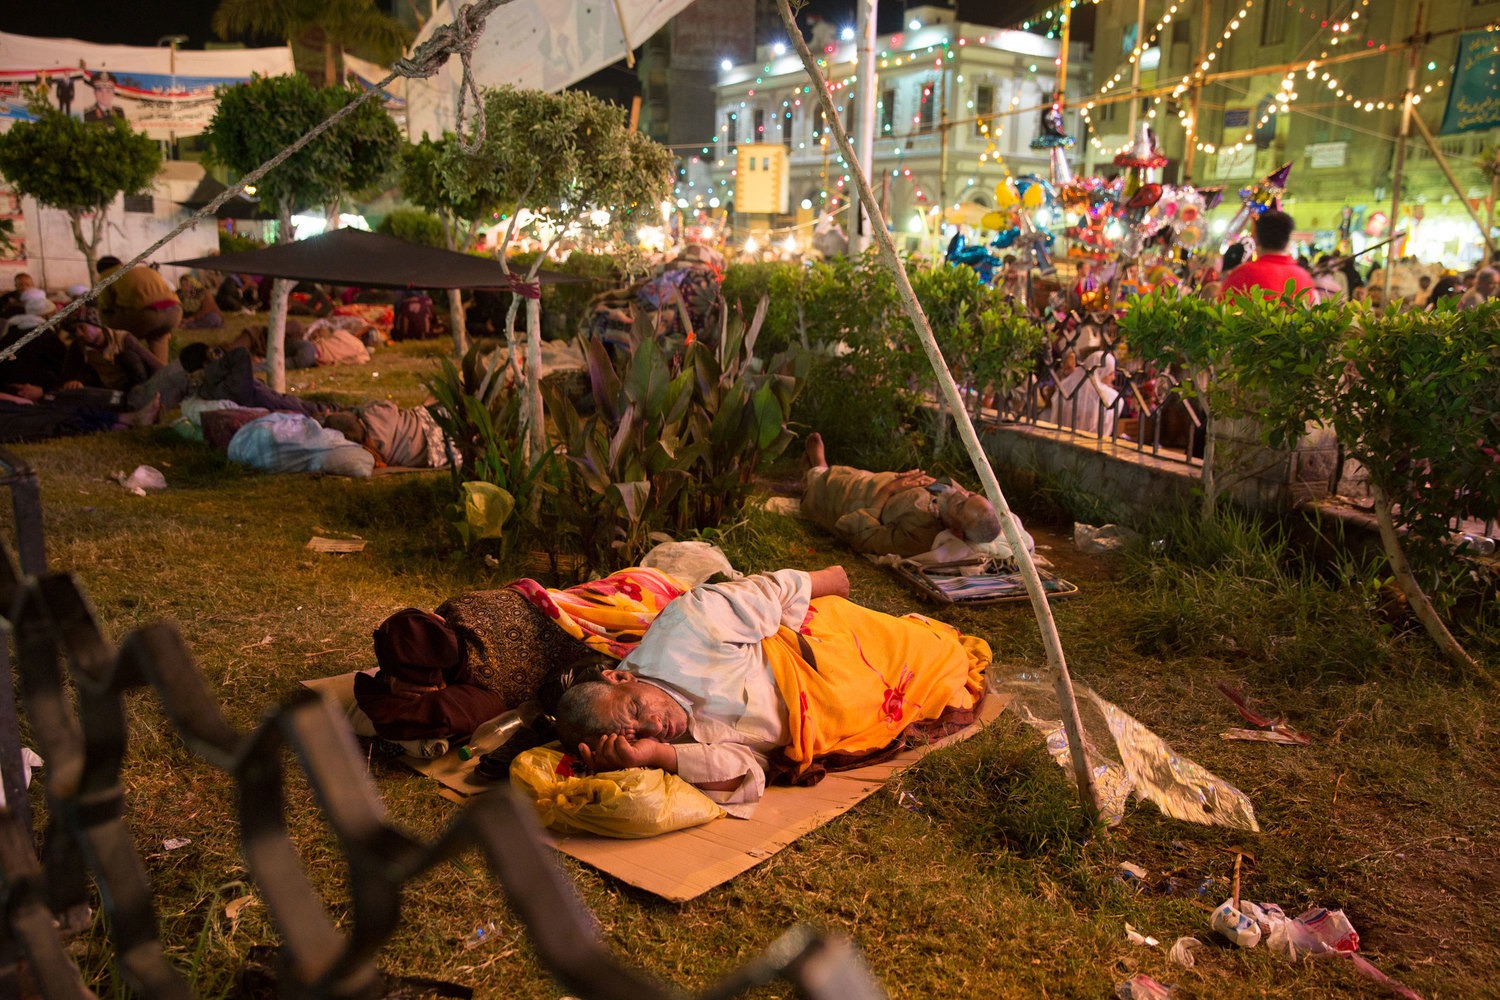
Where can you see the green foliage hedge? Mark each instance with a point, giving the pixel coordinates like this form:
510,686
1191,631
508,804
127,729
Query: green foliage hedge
414,226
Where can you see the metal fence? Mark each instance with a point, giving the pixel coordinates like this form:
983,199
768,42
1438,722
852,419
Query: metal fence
74,683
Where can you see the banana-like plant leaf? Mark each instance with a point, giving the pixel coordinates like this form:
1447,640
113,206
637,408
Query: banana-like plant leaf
768,417
752,332
623,433
707,372
603,379
727,421
647,381
679,397
633,498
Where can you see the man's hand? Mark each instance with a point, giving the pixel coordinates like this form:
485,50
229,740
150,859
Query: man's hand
830,582
72,384
616,753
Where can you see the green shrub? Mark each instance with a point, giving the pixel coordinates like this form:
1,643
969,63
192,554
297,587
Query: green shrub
673,442
414,226
235,243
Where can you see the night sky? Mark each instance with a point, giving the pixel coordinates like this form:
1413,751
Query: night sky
142,23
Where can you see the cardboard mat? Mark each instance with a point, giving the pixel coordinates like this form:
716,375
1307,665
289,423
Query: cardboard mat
684,864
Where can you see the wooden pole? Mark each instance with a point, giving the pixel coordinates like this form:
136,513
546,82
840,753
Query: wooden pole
1087,793
1411,85
1448,173
1135,67
1190,143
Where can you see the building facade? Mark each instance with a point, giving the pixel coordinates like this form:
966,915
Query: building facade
957,106
1339,128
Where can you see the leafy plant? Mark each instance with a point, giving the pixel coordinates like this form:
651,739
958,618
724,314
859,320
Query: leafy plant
414,226
674,440
79,167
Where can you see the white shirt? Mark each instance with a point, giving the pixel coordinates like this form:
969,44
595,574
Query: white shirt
704,649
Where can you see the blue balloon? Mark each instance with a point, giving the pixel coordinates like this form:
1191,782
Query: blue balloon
1005,237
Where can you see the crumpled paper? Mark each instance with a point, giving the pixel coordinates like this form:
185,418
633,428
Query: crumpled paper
144,478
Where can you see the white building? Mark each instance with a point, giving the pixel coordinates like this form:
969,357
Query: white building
992,82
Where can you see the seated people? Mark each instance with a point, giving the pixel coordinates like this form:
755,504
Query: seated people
481,653
35,308
11,303
887,512
309,299
140,302
199,309
237,293
101,357
774,676
406,437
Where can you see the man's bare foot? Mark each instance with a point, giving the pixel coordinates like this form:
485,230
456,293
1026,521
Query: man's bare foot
813,456
145,416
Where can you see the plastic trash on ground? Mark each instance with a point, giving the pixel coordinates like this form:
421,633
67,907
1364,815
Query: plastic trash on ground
1182,951
1143,987
1314,932
1094,539
693,563
144,478
1128,759
1136,937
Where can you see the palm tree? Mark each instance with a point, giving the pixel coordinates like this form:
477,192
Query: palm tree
343,24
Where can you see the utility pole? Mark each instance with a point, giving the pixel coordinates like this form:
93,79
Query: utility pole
866,91
943,149
1412,54
1135,66
1190,145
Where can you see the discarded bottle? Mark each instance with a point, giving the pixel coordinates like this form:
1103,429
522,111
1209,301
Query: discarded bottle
1478,545
490,735
483,934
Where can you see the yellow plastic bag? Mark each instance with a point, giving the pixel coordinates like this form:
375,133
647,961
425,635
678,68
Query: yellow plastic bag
634,804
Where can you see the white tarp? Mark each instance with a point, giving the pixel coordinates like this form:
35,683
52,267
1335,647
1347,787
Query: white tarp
159,92
535,45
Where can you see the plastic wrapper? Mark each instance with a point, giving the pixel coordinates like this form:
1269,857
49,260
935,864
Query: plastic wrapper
693,562
1128,759
631,805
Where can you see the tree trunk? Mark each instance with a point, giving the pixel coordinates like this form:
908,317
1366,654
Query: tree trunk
458,322
535,420
281,290
1210,488
330,71
1420,605
89,249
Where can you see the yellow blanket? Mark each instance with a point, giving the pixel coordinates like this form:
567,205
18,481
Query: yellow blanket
855,679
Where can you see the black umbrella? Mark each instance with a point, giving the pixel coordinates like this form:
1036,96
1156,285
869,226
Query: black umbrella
369,260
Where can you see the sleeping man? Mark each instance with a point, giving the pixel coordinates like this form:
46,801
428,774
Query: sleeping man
776,674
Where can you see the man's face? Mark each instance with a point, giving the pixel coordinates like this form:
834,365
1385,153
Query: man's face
23,282
640,711
1487,283
89,334
104,97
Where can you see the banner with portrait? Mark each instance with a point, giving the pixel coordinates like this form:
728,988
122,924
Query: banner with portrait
1474,96
159,91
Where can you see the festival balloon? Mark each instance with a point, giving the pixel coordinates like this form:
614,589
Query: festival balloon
1056,141
1005,237
1006,195
992,220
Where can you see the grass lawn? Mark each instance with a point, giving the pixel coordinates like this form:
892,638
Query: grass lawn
995,888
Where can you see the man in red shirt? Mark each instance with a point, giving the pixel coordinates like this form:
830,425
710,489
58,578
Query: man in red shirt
1272,267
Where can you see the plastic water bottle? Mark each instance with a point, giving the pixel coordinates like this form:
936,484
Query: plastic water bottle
489,735
483,934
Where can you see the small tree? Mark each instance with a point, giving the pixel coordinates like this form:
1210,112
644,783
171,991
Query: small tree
563,158
78,167
257,120
441,178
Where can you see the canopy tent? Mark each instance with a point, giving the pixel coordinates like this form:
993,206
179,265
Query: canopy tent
239,207
368,260
534,45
